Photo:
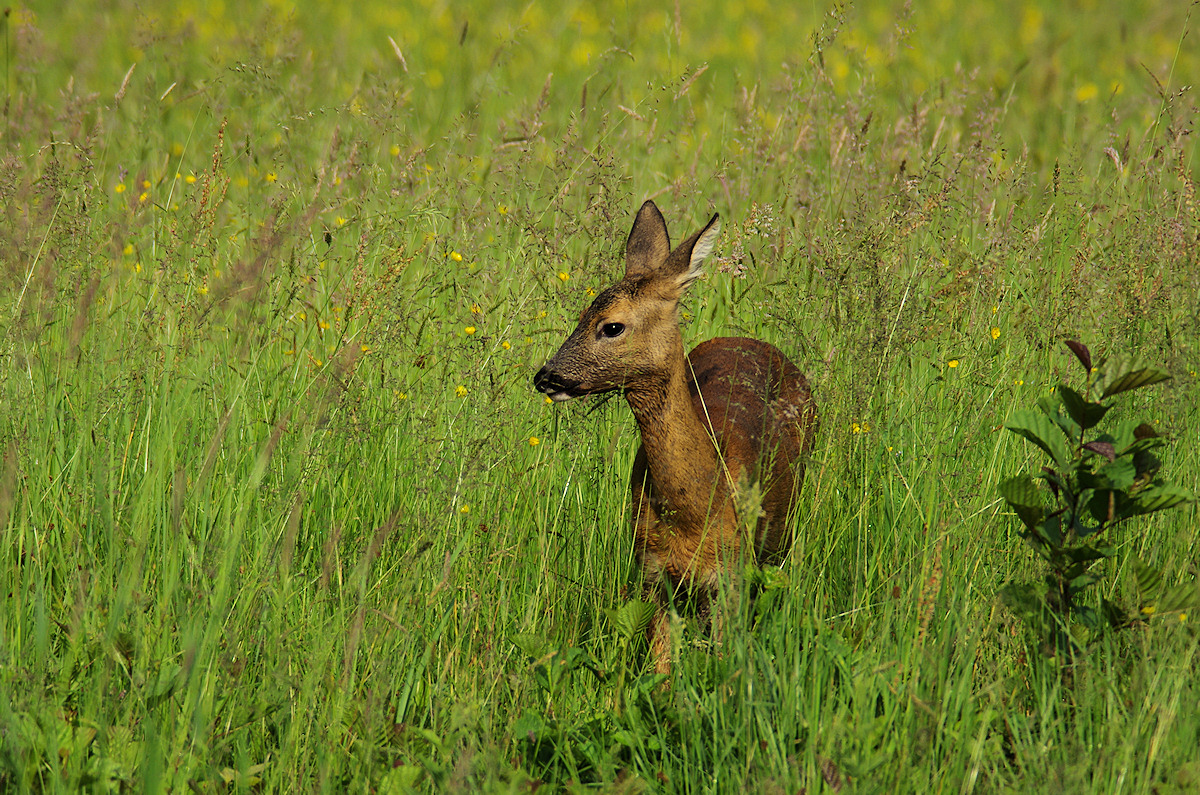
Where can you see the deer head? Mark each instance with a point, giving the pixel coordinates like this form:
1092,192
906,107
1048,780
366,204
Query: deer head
629,337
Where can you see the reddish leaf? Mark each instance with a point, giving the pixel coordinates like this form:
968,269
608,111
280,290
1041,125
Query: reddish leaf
1103,448
1081,353
1144,431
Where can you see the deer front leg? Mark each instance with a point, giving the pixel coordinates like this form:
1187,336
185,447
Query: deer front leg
659,631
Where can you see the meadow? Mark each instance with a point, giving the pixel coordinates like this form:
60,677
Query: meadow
280,508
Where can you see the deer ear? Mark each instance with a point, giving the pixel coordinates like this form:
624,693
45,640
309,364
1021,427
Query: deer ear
693,251
648,244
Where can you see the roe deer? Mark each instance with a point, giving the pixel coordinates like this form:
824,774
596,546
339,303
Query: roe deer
732,416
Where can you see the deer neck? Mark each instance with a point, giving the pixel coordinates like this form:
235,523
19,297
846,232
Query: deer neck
684,467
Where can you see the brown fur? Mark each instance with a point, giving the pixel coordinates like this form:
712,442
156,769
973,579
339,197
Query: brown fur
742,394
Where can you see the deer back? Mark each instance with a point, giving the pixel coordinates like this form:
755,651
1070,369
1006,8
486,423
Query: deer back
762,416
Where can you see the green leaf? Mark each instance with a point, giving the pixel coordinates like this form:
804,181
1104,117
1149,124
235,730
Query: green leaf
1116,475
1052,407
529,727
1038,429
1120,374
1023,495
1080,581
1117,616
1161,497
631,619
534,646
1157,597
1050,531
1102,506
1086,413
1088,552
1149,580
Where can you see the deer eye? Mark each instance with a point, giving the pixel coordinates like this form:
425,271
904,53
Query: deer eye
612,329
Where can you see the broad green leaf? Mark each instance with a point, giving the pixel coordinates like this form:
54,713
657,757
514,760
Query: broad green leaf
1038,429
1050,531
1102,506
1182,597
529,726
1117,616
1157,597
1090,620
1059,485
1021,490
1162,497
1144,445
1117,475
1120,374
1149,580
1081,581
1023,495
1052,407
1086,413
1087,553
534,646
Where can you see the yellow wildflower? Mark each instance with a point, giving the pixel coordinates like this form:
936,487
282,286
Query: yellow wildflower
469,330
995,333
454,255
120,188
952,363
563,276
460,390
534,441
506,345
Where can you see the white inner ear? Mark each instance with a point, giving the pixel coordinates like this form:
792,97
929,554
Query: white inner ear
704,246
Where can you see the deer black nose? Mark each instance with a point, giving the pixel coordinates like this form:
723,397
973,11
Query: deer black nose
546,381
552,383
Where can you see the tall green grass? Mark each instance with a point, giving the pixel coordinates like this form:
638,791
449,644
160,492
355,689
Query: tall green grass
282,512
